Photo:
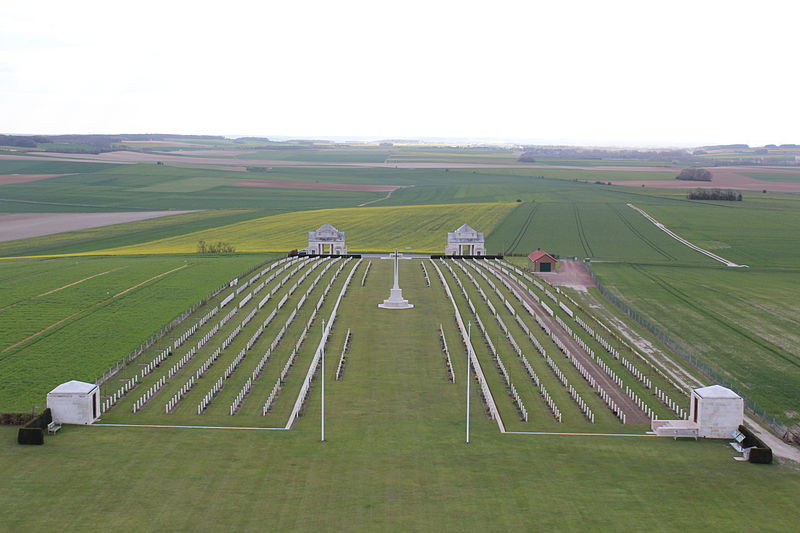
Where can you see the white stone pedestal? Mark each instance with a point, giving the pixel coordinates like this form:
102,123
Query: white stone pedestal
396,300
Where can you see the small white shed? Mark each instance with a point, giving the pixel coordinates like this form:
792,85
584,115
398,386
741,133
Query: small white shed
717,411
74,402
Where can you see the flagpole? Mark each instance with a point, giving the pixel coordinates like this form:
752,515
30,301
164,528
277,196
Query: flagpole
469,344
322,417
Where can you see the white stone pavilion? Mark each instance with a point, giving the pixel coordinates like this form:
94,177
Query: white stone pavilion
715,412
327,240
465,241
74,402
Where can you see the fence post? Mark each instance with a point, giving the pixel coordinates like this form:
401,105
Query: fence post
682,352
175,322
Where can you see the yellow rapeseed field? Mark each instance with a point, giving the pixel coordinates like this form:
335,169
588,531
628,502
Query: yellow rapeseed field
418,228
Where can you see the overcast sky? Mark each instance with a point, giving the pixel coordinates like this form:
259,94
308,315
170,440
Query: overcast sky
599,72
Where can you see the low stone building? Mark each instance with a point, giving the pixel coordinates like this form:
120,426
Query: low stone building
327,240
74,402
465,241
715,412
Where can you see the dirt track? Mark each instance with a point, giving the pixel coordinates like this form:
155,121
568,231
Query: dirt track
633,415
572,274
26,225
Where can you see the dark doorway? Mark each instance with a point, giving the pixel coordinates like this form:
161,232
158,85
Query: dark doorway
545,267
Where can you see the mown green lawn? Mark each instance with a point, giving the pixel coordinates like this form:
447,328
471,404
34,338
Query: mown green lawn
395,457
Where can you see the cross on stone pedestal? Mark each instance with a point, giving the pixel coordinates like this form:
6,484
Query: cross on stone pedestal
395,299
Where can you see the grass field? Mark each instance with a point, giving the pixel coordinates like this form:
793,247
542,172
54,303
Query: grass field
78,318
741,322
414,228
394,459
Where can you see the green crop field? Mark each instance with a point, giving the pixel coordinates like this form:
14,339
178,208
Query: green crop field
46,166
153,187
74,316
595,230
756,232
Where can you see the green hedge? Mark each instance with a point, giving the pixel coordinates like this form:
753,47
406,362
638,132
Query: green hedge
15,419
28,435
33,431
761,453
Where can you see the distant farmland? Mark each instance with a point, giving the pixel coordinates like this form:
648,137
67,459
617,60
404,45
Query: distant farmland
412,228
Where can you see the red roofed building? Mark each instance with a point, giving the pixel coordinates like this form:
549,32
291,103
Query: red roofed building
542,261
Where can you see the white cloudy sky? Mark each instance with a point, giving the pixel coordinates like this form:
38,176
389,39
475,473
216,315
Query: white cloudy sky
598,72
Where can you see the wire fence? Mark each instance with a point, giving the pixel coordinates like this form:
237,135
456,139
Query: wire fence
174,323
683,353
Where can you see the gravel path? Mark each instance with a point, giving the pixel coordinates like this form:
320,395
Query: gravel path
779,447
633,415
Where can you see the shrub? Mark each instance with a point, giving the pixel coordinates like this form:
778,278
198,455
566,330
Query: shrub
694,174
219,247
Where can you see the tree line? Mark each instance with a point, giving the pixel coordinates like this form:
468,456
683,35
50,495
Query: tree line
715,194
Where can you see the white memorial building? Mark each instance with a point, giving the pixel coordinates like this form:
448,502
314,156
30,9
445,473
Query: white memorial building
327,240
465,241
74,402
715,412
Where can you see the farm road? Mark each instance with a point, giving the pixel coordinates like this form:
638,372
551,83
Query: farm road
633,415
26,225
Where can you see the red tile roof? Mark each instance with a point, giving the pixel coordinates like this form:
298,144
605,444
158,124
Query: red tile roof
538,255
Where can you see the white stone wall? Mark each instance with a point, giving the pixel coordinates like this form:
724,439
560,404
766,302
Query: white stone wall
717,417
74,408
319,247
474,249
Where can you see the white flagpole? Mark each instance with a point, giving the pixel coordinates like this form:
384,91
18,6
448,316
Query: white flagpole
322,417
469,343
